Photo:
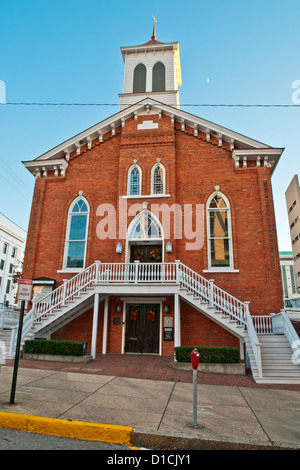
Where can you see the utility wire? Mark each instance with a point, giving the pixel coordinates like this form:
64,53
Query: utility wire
186,104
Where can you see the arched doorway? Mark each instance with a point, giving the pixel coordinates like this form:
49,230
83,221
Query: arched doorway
145,239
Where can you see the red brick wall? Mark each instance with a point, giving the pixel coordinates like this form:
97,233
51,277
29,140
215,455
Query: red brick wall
193,168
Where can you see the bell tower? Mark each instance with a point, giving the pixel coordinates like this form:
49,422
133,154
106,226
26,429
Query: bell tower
151,70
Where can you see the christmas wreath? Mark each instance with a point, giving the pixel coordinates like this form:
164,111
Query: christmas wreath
138,253
155,254
134,313
151,315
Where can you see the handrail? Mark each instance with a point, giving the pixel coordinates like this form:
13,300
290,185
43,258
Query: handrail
263,324
255,344
214,296
283,324
138,273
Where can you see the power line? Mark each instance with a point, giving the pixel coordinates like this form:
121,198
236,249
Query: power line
13,175
226,105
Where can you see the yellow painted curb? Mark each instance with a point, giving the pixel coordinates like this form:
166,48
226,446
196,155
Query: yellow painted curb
67,428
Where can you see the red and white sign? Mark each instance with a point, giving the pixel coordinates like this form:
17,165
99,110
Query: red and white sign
25,289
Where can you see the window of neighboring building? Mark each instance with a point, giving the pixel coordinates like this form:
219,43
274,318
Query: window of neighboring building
219,232
8,287
134,180
1,263
139,79
13,252
158,179
76,238
11,267
4,247
159,77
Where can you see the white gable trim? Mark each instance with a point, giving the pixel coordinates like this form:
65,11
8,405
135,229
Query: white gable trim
62,151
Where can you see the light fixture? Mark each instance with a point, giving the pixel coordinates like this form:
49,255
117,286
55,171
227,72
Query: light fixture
166,308
119,308
119,248
168,247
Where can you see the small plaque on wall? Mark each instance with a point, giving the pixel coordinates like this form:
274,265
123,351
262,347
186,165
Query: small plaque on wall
116,320
168,334
168,322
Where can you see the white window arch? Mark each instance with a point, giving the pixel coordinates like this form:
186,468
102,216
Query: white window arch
158,177
139,78
159,77
134,180
219,236
145,226
76,235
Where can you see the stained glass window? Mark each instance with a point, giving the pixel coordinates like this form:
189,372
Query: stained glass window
219,232
134,181
76,234
145,226
158,180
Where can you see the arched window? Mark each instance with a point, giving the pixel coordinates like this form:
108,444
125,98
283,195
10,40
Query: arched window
139,79
158,179
76,237
159,77
134,180
219,232
145,226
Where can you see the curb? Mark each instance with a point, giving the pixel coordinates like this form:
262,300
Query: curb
67,428
181,441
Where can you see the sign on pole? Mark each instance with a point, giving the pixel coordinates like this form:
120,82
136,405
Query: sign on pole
24,294
25,289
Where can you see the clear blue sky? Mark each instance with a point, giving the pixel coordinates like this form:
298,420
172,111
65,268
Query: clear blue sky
232,52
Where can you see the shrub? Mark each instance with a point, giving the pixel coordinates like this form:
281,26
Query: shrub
208,354
62,347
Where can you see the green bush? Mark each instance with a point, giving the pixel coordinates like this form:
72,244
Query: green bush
208,354
61,347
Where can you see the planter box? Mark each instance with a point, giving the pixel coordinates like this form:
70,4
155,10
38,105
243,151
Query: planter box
212,368
59,358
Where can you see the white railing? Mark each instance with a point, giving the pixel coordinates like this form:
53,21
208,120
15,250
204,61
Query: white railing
263,324
8,318
283,325
255,344
208,292
137,273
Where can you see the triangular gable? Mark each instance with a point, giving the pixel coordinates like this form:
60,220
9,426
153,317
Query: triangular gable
240,145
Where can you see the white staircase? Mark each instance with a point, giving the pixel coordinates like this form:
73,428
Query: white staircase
77,295
278,360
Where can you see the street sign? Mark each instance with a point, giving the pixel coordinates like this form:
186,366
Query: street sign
25,289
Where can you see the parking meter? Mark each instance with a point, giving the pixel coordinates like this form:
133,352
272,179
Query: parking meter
195,358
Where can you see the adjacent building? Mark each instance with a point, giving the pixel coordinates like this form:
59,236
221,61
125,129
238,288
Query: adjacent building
12,243
288,274
292,196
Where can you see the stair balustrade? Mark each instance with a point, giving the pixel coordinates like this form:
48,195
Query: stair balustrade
205,291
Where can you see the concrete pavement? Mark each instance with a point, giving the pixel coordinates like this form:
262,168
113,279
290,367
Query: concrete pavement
154,414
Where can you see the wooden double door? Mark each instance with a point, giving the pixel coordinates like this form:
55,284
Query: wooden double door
146,253
142,328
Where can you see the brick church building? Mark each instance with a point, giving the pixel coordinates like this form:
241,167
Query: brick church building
153,228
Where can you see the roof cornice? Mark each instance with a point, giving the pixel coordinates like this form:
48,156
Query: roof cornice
239,143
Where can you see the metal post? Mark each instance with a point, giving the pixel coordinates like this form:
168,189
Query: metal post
105,320
16,364
195,398
95,326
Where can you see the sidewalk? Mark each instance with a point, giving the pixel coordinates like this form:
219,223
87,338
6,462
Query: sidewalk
155,401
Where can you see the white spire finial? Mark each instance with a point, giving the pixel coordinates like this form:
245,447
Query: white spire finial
154,21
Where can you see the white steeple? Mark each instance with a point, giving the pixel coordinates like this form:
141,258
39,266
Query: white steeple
151,69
